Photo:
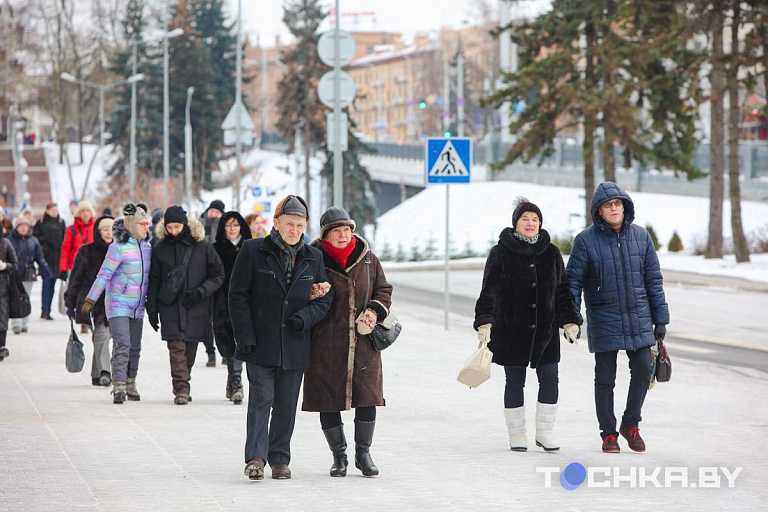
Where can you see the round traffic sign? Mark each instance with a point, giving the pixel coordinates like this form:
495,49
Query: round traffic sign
346,47
347,89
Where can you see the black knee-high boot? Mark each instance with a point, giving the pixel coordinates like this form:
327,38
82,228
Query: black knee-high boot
338,445
363,439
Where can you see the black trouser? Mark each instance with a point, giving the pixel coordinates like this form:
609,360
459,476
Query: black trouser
3,335
605,379
209,347
277,390
548,385
330,420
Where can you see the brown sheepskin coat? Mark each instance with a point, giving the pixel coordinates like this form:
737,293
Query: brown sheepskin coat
344,369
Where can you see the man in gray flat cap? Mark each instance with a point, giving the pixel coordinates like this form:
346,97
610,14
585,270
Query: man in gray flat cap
272,314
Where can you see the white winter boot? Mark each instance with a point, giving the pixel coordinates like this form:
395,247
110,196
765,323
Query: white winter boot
516,427
545,423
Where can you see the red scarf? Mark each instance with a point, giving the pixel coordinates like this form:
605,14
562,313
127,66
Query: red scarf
340,255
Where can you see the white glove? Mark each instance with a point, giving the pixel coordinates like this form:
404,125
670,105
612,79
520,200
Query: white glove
484,333
366,322
2,265
318,290
572,333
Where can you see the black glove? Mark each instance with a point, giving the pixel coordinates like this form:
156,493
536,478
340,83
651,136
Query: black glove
659,331
192,299
154,319
295,322
63,276
71,312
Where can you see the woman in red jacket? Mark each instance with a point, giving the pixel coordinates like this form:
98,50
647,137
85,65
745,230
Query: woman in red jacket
79,233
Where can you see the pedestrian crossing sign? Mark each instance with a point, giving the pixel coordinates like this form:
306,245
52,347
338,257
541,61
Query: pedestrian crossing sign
448,160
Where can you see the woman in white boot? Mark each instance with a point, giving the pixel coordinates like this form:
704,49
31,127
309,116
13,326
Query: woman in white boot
523,301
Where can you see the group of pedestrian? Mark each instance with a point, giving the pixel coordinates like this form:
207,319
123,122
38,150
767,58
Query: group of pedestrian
528,294
292,310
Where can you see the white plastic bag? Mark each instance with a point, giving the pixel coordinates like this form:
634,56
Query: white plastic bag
477,369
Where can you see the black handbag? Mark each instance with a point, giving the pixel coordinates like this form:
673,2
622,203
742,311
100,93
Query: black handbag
75,357
386,331
663,364
174,281
19,306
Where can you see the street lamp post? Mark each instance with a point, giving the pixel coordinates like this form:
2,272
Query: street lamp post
102,88
166,116
188,151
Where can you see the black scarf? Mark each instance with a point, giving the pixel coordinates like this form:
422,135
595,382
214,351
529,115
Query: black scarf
287,252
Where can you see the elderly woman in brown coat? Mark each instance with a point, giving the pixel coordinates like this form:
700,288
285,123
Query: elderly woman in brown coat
344,369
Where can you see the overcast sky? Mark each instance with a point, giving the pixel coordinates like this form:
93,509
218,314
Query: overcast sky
264,17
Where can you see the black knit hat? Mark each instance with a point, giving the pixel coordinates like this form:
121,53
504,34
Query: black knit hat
522,206
175,214
335,217
217,204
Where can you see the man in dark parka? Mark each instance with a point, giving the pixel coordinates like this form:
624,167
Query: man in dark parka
614,263
50,232
186,320
272,314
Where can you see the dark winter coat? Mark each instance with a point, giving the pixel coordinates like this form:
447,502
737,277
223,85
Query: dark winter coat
84,271
260,302
344,369
79,233
7,255
620,277
525,298
50,233
28,252
205,274
227,251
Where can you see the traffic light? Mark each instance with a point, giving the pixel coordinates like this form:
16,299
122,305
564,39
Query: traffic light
422,104
447,134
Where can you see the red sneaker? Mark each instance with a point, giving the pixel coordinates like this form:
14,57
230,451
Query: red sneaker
611,444
632,435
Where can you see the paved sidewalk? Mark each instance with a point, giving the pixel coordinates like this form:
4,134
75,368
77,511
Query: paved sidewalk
439,445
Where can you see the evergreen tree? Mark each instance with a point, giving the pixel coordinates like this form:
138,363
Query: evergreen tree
149,116
623,67
675,244
298,104
359,187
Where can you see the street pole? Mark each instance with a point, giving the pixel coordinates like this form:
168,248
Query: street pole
338,162
101,124
263,95
166,123
460,93
188,151
446,127
132,157
238,101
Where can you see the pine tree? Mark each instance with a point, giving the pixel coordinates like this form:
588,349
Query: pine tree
298,104
675,244
654,238
359,188
149,118
624,68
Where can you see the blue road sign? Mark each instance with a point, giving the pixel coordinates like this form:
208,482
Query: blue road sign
448,160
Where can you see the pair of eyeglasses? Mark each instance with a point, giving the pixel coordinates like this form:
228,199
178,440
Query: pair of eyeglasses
611,204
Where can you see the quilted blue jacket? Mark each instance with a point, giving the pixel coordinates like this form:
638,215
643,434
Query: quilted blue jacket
620,277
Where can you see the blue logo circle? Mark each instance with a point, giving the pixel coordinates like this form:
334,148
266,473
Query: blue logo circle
573,476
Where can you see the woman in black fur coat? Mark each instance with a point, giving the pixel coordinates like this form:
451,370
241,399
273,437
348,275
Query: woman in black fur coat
525,299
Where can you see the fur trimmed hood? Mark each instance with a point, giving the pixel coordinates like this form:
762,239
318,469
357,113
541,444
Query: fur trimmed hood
122,235
196,229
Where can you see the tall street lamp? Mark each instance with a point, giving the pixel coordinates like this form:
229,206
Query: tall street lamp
102,88
188,150
166,129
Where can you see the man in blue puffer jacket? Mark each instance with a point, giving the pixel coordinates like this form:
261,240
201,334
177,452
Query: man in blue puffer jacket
614,262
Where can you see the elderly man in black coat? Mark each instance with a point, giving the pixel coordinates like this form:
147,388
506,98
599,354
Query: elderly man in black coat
50,233
272,314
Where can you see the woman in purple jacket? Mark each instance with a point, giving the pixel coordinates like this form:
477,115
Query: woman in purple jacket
125,277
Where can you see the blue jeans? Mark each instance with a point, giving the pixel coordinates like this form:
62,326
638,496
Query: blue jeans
49,284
